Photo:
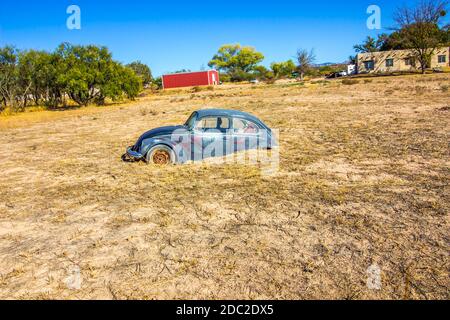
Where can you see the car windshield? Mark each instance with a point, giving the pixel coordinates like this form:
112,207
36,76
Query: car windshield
191,121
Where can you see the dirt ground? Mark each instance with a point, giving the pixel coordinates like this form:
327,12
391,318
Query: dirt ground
363,185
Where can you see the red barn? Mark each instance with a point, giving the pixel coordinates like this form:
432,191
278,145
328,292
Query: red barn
190,79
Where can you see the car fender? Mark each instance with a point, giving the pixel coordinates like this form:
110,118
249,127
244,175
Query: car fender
149,143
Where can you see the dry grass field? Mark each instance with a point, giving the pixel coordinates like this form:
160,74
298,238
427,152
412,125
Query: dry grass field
363,180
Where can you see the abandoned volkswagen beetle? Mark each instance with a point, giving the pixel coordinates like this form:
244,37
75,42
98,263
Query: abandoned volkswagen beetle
207,133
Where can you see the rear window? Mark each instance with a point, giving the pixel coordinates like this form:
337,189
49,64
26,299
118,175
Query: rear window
244,126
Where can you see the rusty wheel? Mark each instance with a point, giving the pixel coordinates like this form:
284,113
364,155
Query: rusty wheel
160,155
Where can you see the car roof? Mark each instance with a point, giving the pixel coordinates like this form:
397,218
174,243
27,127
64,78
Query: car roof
228,113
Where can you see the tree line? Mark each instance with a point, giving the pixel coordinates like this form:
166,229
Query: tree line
88,74
419,29
240,63
82,74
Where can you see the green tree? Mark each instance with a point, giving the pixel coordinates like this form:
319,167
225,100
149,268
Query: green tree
369,45
143,71
262,73
119,81
181,71
8,75
130,83
29,69
236,60
91,75
40,69
85,68
352,59
445,35
391,41
25,77
157,83
283,69
418,29
84,73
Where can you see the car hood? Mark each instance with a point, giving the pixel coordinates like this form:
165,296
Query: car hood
162,131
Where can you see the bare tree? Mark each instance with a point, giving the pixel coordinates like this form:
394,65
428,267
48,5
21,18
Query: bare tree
427,11
305,61
419,28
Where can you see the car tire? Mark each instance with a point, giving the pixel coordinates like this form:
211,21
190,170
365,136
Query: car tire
161,155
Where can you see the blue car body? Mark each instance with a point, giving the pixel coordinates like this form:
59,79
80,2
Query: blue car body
191,140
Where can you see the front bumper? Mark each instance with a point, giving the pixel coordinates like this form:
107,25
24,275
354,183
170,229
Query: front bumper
132,155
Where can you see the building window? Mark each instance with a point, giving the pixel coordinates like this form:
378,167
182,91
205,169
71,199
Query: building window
389,63
369,65
442,59
410,61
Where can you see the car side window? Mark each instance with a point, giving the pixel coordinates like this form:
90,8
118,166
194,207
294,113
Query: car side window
244,126
213,123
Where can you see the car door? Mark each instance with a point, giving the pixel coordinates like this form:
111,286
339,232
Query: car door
209,137
245,134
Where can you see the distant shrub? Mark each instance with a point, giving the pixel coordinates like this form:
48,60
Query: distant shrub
444,88
156,84
143,111
349,82
225,77
420,90
200,88
176,99
146,111
322,82
368,81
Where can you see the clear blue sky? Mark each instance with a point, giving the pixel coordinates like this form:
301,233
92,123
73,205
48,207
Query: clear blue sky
173,35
